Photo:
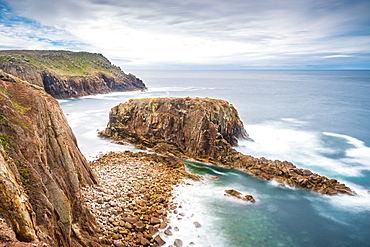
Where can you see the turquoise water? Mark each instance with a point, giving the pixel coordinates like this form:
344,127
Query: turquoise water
318,120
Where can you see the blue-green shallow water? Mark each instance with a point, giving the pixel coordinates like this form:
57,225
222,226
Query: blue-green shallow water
319,120
280,217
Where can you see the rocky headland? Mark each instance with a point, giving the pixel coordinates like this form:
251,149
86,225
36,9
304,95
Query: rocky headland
41,169
66,74
205,130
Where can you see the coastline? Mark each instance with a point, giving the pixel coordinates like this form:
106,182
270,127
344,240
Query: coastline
133,199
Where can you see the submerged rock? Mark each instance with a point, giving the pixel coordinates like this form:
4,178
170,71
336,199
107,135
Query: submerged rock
205,130
239,195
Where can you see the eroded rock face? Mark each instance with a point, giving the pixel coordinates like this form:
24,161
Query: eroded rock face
205,130
41,167
65,74
194,127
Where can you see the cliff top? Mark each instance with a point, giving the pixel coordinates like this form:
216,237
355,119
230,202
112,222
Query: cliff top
63,63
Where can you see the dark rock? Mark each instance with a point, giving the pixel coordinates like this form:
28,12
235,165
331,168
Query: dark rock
239,195
130,220
159,240
155,221
139,226
144,241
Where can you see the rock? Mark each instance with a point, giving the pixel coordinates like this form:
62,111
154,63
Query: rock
239,195
129,220
163,225
119,243
155,221
249,198
178,243
139,226
197,224
144,241
159,240
211,177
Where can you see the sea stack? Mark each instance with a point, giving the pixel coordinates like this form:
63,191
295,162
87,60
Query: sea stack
205,130
202,128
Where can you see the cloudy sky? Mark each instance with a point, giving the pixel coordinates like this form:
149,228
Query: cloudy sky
201,34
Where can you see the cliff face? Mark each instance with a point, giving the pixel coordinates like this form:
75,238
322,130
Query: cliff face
41,168
205,130
65,74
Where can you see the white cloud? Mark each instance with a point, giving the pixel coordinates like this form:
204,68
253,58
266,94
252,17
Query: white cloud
335,56
207,32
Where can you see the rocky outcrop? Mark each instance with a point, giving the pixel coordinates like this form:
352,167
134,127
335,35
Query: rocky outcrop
65,74
206,130
239,195
202,128
41,169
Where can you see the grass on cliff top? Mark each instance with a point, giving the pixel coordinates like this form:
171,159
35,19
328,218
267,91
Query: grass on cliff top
64,63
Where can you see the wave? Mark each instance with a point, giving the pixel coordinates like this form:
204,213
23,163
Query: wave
345,156
359,153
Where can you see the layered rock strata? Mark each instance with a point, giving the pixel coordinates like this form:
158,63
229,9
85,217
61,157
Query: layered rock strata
65,74
41,168
132,199
206,130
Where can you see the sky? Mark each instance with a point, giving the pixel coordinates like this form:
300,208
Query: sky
196,34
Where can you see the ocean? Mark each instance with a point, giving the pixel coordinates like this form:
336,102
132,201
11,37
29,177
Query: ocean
319,120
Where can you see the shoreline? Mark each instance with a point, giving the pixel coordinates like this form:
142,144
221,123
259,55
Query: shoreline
134,197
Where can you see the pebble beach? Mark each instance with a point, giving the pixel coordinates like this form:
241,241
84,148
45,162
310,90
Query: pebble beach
133,198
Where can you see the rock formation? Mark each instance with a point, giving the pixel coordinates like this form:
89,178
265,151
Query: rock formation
65,74
194,127
206,130
41,168
239,195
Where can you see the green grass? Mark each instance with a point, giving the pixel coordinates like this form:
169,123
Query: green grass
3,118
64,63
4,140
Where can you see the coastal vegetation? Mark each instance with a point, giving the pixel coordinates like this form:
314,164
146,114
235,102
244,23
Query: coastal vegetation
63,63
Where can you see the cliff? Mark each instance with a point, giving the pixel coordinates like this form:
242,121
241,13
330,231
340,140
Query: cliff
206,130
41,169
66,74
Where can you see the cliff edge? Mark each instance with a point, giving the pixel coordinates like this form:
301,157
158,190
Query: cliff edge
41,169
206,130
66,74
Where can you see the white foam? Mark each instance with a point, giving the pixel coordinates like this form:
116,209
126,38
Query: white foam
360,153
294,122
189,201
277,140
